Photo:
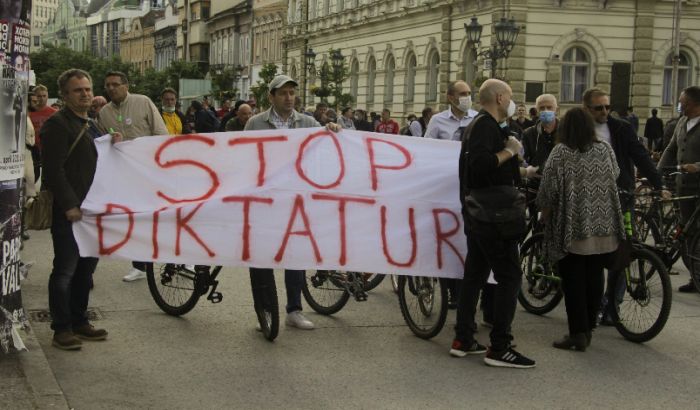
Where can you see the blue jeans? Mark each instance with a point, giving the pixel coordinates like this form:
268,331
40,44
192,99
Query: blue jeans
293,281
69,283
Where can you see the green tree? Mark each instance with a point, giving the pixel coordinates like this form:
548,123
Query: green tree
260,90
222,83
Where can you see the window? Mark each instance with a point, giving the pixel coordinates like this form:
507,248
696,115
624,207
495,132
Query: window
371,74
433,72
354,78
410,82
685,76
338,6
575,74
389,67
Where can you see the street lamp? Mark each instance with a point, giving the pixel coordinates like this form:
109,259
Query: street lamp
309,67
506,35
237,73
337,61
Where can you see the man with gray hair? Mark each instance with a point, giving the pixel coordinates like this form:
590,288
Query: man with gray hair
488,159
539,140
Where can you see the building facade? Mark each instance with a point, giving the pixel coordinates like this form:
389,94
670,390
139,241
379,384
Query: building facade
43,12
138,44
403,53
67,27
192,35
165,36
230,36
269,23
107,23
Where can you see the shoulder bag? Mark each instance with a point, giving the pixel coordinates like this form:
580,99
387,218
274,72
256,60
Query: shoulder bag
38,211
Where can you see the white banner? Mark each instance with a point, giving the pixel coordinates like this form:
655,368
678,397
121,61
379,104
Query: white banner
300,199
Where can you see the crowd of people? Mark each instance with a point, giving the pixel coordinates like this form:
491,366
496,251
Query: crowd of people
577,162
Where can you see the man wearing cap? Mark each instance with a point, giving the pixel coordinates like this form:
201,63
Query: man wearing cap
281,115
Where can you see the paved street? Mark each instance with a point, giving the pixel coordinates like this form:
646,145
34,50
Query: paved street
363,357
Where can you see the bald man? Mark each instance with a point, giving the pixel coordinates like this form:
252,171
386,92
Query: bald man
243,114
487,159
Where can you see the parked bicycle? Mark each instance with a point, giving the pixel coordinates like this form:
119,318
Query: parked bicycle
176,289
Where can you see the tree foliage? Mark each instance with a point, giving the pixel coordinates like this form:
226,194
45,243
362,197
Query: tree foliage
49,62
260,89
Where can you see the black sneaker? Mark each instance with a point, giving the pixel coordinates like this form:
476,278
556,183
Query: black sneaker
508,358
688,288
459,349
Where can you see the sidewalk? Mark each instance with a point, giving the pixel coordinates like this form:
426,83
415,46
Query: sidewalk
27,381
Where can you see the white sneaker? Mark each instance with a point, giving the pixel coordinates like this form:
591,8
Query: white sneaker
258,328
134,274
296,319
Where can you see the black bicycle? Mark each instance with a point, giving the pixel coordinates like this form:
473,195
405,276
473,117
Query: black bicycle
423,301
176,289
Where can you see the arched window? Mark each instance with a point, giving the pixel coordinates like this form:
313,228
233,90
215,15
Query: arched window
354,78
371,74
470,66
575,74
410,82
389,67
432,80
685,76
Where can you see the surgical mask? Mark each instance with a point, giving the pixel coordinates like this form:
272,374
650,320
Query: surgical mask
547,117
168,109
678,108
465,103
511,109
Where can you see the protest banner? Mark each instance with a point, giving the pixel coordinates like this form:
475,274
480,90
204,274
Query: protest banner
299,199
14,62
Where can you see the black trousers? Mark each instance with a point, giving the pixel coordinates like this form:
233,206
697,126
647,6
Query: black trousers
486,254
582,283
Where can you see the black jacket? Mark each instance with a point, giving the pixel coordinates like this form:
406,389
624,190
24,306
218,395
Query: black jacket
537,144
630,152
68,178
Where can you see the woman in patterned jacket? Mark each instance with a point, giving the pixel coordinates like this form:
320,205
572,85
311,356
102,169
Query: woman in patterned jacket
581,209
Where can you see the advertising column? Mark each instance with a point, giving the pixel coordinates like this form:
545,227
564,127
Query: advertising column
14,78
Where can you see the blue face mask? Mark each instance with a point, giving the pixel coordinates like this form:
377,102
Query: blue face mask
547,117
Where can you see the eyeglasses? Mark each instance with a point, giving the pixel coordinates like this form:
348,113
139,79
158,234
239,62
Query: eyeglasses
599,107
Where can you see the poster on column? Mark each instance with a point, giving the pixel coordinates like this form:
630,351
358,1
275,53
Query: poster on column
14,74
297,199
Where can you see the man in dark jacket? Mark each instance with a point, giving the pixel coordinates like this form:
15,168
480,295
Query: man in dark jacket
539,140
654,131
204,119
629,151
68,175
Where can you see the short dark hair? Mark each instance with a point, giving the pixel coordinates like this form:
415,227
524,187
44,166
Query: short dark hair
386,110
577,129
591,93
654,111
693,93
167,90
346,109
67,75
121,75
426,111
321,105
452,86
196,105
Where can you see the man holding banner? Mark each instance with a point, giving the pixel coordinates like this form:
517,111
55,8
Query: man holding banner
282,115
70,160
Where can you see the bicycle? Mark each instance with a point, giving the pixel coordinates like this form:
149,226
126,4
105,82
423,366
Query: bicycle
423,302
637,314
328,291
660,228
176,289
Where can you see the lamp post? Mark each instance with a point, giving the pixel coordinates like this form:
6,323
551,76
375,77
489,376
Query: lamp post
237,73
337,60
506,35
309,67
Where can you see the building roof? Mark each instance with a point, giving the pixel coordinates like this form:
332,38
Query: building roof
96,5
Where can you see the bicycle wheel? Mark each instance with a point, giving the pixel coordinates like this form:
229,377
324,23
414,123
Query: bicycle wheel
540,289
373,281
324,291
265,303
395,283
642,308
174,288
694,259
423,302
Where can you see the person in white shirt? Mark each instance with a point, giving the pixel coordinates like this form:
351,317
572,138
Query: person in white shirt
449,124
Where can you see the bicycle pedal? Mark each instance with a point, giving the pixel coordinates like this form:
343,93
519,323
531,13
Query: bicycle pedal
215,297
360,296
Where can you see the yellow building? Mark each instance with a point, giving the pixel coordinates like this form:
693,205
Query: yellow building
403,53
137,46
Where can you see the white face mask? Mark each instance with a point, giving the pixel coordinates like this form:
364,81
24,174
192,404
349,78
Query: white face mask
168,109
511,109
465,103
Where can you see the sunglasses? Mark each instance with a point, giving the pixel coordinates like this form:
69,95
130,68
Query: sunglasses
599,107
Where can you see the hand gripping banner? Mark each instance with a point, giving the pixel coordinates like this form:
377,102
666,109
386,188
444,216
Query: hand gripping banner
298,199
